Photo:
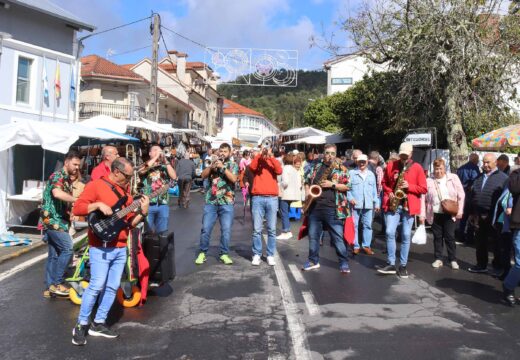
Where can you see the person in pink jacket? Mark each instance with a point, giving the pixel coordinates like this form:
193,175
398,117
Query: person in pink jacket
441,187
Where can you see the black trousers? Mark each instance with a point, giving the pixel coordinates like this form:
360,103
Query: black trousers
503,250
484,232
443,229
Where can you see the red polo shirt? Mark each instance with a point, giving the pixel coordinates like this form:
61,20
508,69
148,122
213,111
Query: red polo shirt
99,191
99,171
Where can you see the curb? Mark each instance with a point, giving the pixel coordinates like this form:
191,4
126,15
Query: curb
79,236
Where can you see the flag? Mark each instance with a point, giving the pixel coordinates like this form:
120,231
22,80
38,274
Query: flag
72,85
45,81
57,82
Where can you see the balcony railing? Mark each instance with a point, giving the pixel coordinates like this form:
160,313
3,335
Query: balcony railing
90,109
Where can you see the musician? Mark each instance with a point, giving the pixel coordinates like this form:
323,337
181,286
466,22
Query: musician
109,154
264,202
106,262
329,209
156,173
220,199
55,221
403,175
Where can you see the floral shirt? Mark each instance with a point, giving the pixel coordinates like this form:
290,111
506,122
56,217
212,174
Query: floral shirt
339,175
155,179
221,191
55,214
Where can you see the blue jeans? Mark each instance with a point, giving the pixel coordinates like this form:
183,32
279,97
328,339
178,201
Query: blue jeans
366,216
392,220
264,206
513,277
60,253
106,268
318,218
158,216
225,215
284,213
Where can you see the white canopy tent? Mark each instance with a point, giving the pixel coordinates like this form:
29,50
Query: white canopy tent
305,131
52,136
320,140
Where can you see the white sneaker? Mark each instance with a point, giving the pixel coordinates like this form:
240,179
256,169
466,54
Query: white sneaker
281,237
454,265
256,260
288,235
437,264
270,261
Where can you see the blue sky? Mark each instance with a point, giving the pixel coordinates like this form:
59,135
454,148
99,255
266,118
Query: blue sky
273,24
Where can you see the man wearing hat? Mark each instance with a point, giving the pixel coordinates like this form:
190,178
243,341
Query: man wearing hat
364,200
406,175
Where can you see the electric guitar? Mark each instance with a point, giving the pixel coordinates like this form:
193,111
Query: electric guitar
107,228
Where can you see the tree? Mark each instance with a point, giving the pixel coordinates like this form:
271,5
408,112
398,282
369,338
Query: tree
456,60
319,114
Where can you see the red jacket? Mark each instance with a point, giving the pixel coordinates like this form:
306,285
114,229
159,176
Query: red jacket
416,185
265,172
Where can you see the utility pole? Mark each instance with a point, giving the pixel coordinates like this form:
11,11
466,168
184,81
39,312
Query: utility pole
154,100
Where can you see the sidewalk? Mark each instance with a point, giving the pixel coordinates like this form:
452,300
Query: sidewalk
11,252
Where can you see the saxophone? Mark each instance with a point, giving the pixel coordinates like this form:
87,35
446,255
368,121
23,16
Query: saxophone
399,194
315,189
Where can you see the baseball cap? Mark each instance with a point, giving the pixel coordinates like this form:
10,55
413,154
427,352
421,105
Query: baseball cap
362,157
406,149
295,152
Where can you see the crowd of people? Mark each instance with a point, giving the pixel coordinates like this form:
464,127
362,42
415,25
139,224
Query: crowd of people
473,205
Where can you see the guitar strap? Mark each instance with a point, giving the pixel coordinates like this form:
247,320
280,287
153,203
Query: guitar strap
119,196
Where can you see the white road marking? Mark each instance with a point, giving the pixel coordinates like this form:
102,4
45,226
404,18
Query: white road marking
312,307
296,328
20,267
297,274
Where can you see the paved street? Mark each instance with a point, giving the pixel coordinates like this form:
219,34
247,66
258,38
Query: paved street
244,312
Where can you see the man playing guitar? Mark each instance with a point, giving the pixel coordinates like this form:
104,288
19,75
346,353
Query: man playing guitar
107,260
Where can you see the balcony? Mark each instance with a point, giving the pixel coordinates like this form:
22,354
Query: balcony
90,109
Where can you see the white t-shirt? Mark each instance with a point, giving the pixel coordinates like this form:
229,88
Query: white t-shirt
442,187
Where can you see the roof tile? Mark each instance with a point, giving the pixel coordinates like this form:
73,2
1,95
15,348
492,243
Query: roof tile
96,66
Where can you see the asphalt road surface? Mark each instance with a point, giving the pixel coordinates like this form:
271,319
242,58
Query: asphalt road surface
215,311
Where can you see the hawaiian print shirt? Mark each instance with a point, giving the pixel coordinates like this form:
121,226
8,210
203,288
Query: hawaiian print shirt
55,214
339,175
221,191
155,179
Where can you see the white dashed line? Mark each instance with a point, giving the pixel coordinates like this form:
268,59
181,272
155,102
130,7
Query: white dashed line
297,274
312,307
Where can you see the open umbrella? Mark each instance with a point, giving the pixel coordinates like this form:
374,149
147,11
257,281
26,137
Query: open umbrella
498,139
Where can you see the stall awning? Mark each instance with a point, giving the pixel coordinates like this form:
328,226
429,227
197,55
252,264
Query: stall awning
305,131
319,140
52,136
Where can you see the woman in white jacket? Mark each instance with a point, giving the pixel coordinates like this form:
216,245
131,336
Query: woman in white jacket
291,189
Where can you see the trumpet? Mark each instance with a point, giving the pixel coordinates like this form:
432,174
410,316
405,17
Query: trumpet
212,160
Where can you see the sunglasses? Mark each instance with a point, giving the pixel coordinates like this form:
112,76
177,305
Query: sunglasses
127,176
330,153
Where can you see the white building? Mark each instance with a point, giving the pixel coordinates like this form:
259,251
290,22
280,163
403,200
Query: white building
247,125
345,70
37,37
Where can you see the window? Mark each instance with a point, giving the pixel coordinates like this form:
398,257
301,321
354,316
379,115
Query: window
23,84
341,81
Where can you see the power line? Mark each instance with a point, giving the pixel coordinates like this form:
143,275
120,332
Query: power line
114,28
188,39
131,51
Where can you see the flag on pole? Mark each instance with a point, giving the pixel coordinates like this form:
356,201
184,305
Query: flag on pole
45,81
72,85
57,82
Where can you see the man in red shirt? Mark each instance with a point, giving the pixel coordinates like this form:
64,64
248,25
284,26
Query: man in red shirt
264,202
414,185
109,154
107,261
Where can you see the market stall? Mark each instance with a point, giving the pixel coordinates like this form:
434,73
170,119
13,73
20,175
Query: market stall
53,138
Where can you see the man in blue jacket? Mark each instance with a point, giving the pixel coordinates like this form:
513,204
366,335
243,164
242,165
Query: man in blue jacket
467,174
364,200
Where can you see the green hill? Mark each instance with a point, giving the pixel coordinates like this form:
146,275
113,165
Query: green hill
283,105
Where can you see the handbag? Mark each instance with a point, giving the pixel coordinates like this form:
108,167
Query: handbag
349,231
450,207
